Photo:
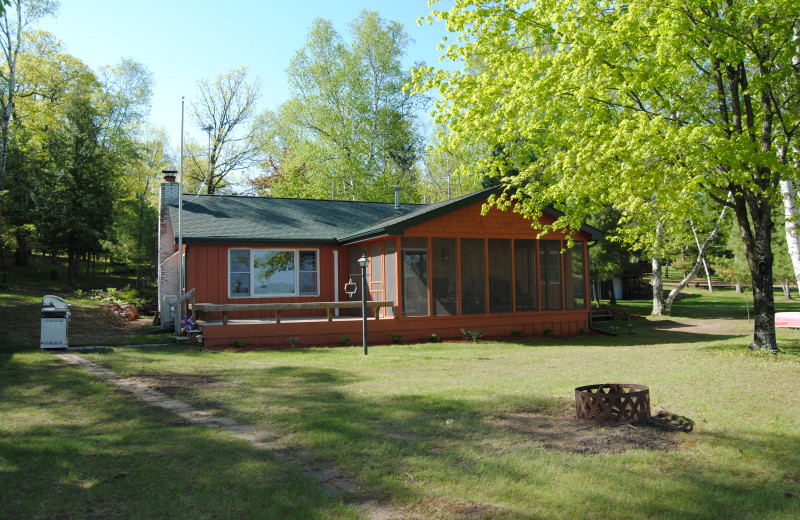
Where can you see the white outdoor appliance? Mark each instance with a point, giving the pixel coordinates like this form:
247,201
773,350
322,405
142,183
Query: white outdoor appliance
55,316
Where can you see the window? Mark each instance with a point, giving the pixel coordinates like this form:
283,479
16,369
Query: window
268,273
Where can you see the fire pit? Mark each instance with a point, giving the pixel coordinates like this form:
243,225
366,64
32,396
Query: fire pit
613,403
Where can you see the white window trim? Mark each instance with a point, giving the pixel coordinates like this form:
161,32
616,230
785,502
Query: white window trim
252,273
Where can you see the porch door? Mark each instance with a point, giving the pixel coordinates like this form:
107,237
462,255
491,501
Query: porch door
376,276
415,282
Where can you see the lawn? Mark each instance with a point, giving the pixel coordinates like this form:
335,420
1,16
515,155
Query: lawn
452,430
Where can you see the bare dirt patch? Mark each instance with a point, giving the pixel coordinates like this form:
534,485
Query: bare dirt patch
564,433
168,382
91,322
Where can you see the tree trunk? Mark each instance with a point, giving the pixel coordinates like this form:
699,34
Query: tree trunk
739,287
658,287
701,260
612,295
3,259
756,229
705,264
790,212
658,284
73,263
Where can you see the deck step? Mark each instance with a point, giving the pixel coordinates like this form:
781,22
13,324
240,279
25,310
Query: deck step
602,315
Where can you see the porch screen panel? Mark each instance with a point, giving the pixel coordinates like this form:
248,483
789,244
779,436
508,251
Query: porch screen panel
355,273
550,274
415,276
499,275
390,281
525,272
239,267
575,284
445,276
473,276
375,264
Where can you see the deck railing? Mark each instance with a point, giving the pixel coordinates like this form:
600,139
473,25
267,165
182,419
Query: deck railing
200,309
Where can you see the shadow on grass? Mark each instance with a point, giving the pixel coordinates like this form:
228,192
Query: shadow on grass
405,448
74,447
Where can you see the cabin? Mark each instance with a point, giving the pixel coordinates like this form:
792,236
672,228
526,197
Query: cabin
274,271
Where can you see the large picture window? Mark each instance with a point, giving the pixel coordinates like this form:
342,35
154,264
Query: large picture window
267,273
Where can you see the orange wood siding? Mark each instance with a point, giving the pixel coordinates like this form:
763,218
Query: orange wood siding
469,223
207,268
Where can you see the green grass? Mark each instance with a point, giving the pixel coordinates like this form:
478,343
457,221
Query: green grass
414,426
721,304
73,447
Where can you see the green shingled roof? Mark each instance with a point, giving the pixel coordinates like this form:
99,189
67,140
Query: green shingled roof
264,220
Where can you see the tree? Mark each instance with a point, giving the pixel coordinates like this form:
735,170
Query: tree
348,124
13,25
43,76
611,95
76,200
225,109
446,170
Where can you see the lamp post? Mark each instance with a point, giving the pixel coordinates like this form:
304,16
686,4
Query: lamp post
363,263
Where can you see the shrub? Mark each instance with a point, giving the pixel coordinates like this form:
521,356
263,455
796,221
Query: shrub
395,338
78,294
473,335
547,331
581,331
345,340
433,338
516,333
237,343
292,342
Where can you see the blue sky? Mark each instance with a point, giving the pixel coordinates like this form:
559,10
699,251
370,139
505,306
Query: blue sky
182,41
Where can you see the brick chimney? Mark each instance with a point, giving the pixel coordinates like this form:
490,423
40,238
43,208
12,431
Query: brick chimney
168,270
170,190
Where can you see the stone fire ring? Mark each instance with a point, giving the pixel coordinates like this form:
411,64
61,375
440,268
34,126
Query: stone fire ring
612,403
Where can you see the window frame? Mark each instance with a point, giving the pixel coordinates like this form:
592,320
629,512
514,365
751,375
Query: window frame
252,254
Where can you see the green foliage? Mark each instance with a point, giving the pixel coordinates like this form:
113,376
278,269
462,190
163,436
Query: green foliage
396,338
434,338
292,342
237,343
345,340
516,333
659,109
346,131
472,335
547,331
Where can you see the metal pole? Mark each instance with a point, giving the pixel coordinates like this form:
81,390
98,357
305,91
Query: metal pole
363,263
180,229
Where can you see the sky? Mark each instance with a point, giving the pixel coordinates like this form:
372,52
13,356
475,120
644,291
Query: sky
183,41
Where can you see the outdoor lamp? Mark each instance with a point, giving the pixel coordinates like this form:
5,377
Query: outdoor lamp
363,263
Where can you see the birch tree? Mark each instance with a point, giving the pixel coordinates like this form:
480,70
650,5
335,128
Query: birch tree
348,120
17,18
611,93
